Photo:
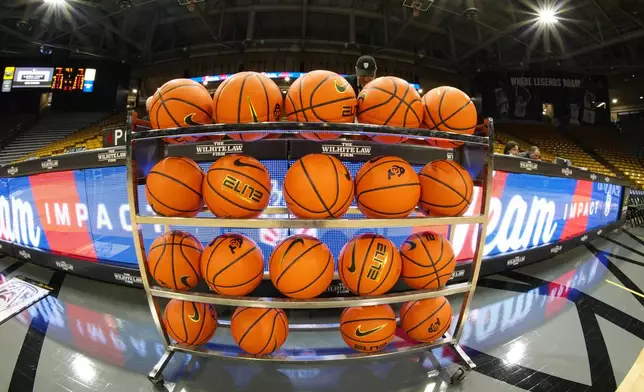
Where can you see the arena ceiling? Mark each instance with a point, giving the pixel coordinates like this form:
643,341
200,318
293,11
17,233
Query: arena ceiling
588,35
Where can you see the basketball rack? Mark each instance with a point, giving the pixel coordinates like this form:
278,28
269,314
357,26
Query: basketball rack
139,132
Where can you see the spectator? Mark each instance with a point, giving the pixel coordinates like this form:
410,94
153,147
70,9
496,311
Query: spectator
366,69
511,148
533,153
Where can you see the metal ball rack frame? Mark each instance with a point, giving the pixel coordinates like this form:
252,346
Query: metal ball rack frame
138,133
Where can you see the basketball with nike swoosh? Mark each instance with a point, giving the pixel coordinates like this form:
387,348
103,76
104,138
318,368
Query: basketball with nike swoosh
426,320
391,101
449,109
369,264
173,187
318,186
259,331
232,264
320,96
190,323
237,186
368,328
446,188
427,260
180,103
247,97
174,260
301,266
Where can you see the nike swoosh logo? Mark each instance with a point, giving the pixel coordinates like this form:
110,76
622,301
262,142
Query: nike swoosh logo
196,316
239,163
352,267
296,241
184,280
412,245
189,119
253,112
341,87
360,333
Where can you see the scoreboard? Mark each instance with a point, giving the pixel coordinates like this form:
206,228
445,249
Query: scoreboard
57,79
73,79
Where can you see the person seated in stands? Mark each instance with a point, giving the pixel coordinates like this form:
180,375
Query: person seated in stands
533,153
511,148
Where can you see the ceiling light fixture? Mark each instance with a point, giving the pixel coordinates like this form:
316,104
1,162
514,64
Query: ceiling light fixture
548,16
55,2
615,100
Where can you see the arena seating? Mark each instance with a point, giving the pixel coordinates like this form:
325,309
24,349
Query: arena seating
86,138
502,138
551,141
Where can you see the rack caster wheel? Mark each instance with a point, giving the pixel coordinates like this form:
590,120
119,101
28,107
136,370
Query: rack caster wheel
158,382
458,376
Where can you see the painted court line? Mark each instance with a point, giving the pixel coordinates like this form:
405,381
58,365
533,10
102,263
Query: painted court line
625,288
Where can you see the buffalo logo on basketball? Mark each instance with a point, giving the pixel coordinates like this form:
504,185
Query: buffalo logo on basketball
196,316
235,243
341,87
395,171
360,333
433,327
189,119
379,260
277,112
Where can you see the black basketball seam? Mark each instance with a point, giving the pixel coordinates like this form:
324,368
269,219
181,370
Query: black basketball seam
337,182
186,258
367,319
174,243
391,266
220,90
441,205
216,169
168,324
206,274
231,263
391,159
295,260
241,96
428,317
198,193
394,214
411,304
302,110
313,94
301,102
189,103
408,104
428,255
364,261
166,110
400,100
154,119
445,185
380,188
391,97
154,271
310,180
270,337
284,323
344,206
440,105
190,162
203,322
167,206
444,122
453,166
174,278
268,103
241,284
424,266
230,201
436,279
412,260
326,267
410,107
183,320
288,95
155,101
257,320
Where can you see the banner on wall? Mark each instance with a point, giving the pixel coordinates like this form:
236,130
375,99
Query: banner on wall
568,98
85,213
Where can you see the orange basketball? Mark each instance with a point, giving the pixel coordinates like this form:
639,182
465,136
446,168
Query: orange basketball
426,320
247,97
446,189
318,186
301,266
390,101
369,264
449,109
259,331
237,186
180,103
190,323
387,187
181,139
173,260
443,143
368,328
173,187
389,139
427,260
232,264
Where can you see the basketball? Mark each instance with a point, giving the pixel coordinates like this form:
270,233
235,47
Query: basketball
368,328
426,320
232,264
237,186
449,109
427,260
320,96
259,331
369,264
173,187
181,139
318,186
190,323
390,101
446,189
173,260
443,143
247,97
180,103
387,187
389,139
301,266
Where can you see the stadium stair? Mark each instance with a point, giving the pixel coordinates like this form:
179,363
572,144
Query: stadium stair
47,131
580,139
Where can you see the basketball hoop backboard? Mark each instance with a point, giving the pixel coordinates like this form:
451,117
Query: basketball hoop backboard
420,5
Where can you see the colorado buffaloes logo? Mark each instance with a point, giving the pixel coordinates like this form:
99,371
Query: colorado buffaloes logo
433,327
340,87
246,192
395,171
360,333
196,316
189,119
235,243
379,260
